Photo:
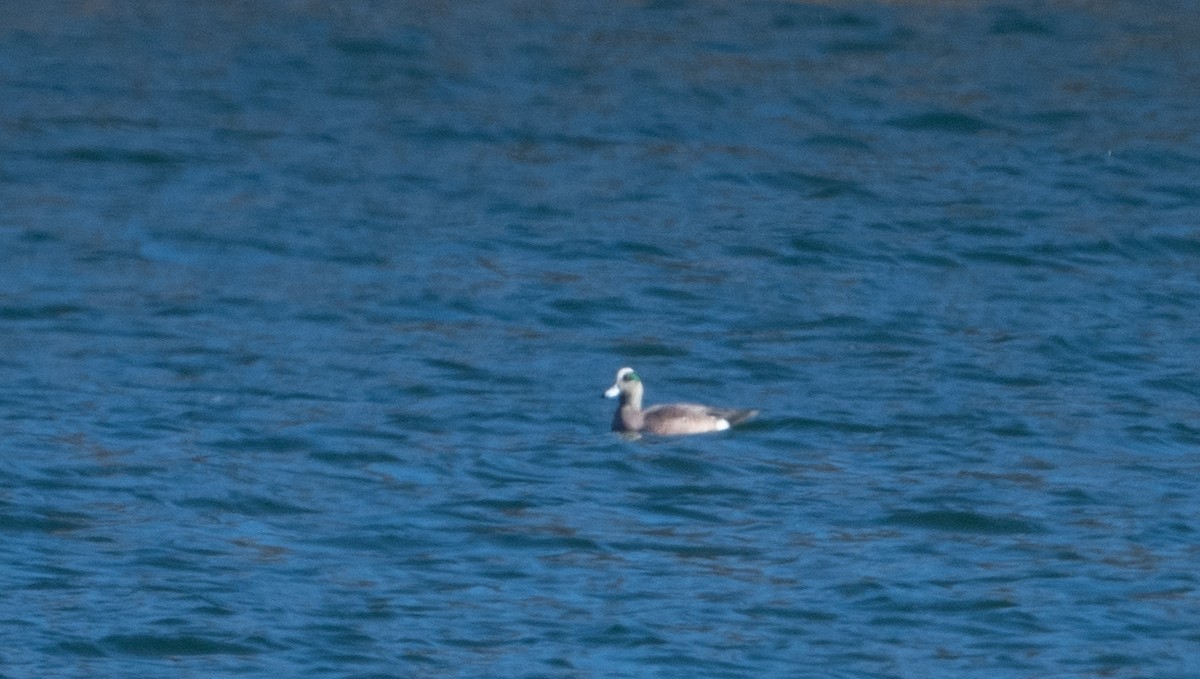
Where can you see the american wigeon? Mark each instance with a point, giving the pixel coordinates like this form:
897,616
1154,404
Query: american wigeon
669,418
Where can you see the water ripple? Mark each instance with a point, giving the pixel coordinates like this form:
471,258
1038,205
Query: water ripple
306,312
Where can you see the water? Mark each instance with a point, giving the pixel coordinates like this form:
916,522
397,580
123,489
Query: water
306,310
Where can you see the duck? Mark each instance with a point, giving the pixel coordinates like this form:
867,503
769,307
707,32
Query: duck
668,419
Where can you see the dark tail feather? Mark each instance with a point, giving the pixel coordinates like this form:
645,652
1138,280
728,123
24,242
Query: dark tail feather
736,416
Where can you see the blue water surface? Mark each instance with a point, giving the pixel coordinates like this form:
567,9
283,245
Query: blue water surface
306,310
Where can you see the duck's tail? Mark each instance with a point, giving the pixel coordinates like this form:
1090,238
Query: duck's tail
735,416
